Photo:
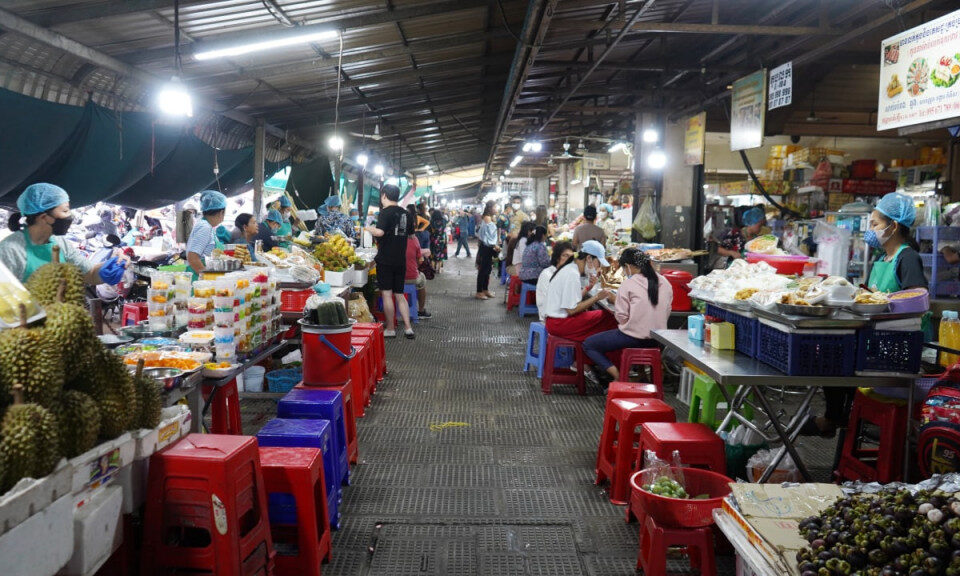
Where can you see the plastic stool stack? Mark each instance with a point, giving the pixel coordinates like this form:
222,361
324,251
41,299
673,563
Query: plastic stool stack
134,313
291,433
322,404
299,518
375,329
206,509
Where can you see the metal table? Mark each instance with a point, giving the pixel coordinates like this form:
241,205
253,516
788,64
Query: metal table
727,368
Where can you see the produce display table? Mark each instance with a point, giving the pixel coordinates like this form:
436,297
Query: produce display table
217,383
729,368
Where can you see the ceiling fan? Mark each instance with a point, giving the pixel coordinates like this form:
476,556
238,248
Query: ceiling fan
567,155
812,117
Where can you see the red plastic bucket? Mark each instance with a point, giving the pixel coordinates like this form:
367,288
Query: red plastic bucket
327,352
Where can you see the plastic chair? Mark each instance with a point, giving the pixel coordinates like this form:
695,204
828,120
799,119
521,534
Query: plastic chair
225,408
309,433
551,376
513,293
698,445
631,357
706,397
299,515
697,544
134,313
525,306
885,462
206,509
617,453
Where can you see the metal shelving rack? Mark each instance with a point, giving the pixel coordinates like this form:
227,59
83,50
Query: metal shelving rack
935,262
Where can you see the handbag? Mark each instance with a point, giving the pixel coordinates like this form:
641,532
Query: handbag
426,268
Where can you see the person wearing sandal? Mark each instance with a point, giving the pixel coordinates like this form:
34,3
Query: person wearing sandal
487,235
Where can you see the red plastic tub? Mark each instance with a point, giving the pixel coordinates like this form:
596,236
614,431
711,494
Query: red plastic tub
784,264
685,513
679,280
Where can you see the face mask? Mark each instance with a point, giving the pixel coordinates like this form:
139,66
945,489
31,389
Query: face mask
603,215
355,218
61,225
516,206
875,240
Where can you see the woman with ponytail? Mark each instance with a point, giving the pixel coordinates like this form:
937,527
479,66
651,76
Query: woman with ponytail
568,304
642,304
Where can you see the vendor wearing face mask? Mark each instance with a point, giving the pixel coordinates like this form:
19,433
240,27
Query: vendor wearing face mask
607,223
568,308
46,209
517,218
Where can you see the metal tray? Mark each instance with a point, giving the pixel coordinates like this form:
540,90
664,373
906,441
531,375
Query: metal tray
813,311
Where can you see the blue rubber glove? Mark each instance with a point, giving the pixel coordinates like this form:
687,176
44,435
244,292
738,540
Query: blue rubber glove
112,271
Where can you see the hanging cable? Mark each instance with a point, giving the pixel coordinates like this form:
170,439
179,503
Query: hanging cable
336,108
176,38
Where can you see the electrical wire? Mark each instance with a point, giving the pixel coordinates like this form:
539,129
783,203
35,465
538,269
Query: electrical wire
503,16
281,18
176,38
336,109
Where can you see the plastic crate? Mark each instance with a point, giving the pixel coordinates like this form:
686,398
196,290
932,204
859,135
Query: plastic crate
282,381
807,352
294,300
716,312
889,351
747,330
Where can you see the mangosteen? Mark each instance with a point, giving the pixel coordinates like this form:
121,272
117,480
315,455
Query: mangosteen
833,538
877,556
825,555
857,559
932,565
817,543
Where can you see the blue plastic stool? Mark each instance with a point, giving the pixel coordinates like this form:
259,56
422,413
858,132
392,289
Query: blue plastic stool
304,433
504,277
410,292
324,404
524,307
536,351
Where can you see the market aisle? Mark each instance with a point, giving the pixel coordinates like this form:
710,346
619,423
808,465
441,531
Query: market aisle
467,468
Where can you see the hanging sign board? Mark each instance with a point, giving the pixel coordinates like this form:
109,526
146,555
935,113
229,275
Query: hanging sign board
748,111
695,139
596,161
781,86
919,70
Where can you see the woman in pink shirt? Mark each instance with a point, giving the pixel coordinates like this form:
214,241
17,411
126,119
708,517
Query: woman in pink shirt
642,304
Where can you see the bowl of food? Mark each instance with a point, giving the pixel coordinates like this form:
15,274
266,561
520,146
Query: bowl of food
915,300
218,369
111,341
170,377
870,302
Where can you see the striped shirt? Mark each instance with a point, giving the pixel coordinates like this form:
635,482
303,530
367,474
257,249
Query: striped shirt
202,240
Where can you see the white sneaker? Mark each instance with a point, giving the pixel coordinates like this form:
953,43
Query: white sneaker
389,333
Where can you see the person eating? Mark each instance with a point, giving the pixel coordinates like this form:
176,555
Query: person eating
568,306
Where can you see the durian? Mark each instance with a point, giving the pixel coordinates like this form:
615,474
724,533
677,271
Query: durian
29,444
30,357
110,384
149,402
79,423
45,282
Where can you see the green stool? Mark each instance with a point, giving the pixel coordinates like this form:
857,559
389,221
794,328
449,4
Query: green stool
705,398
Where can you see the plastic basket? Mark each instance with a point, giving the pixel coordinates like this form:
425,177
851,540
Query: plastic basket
283,381
889,351
294,300
783,264
807,353
746,333
716,312
685,513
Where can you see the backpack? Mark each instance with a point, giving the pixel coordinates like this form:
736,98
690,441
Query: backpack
938,446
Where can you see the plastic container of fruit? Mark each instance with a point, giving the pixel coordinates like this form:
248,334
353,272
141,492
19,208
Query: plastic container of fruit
219,372
690,512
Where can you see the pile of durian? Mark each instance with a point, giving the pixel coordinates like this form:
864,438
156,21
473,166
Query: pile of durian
61,391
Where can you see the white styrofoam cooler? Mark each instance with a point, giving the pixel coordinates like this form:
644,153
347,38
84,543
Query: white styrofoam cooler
174,424
31,496
42,544
99,467
337,278
97,531
360,277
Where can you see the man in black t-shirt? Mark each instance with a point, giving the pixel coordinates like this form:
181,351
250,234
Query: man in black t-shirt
393,227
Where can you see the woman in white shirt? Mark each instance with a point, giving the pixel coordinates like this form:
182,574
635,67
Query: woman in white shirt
567,306
562,251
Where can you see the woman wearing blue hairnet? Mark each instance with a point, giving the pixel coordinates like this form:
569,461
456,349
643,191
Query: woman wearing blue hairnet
898,267
203,240
46,209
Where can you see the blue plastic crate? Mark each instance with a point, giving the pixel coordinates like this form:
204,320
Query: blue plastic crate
889,351
283,381
747,331
797,353
716,312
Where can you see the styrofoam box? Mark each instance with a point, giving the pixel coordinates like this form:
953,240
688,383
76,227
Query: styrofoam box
336,278
100,466
97,531
174,423
360,277
31,496
41,545
745,569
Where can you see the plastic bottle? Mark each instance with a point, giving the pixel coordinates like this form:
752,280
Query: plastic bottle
949,337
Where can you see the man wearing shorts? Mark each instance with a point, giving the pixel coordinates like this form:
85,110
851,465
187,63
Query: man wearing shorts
391,231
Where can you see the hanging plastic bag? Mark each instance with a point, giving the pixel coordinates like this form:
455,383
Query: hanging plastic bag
647,224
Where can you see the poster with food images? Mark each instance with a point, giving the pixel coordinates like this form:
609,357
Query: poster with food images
919,69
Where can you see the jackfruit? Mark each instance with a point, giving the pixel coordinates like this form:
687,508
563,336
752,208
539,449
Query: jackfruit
149,402
30,357
79,423
29,443
44,283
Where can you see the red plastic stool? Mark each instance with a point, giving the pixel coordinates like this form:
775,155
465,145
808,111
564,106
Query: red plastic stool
225,410
562,376
631,357
350,421
297,472
697,544
134,313
617,452
633,390
358,377
513,293
367,357
881,464
206,509
380,344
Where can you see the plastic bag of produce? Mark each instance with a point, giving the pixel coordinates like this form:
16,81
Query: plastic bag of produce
659,478
786,470
358,310
647,224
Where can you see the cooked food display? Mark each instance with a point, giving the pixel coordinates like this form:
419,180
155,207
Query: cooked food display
745,294
766,244
669,254
904,294
864,297
794,299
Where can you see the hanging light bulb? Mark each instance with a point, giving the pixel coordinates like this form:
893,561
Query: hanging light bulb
657,160
378,169
335,143
651,136
174,100
362,159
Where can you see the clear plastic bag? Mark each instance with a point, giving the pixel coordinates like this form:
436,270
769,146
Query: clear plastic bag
647,224
786,470
663,478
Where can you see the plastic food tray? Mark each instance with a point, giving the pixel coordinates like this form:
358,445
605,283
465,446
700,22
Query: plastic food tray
917,304
807,352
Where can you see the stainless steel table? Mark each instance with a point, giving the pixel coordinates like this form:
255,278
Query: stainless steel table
748,375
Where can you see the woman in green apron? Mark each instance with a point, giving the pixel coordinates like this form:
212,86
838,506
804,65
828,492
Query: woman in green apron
203,240
898,267
286,229
46,209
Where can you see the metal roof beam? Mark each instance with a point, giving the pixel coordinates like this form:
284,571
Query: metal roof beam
573,25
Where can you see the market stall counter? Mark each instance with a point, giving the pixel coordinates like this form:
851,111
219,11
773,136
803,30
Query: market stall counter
748,375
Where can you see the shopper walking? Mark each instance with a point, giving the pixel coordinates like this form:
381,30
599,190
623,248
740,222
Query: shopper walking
642,304
488,248
392,229
464,229
438,239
